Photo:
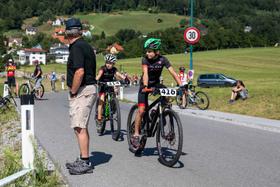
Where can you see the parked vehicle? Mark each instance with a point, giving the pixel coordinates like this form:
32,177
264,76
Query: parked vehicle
215,79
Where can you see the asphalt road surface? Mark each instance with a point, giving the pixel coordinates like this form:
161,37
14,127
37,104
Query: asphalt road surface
215,153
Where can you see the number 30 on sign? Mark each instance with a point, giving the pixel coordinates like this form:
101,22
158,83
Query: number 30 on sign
192,35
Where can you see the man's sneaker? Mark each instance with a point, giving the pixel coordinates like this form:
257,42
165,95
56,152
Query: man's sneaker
81,168
135,141
73,164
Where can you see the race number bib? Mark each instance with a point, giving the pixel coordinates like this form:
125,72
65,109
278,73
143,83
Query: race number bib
115,83
168,92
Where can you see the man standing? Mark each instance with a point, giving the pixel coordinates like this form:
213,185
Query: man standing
81,67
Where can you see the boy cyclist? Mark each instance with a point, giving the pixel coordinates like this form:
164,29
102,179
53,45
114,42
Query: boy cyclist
152,65
106,73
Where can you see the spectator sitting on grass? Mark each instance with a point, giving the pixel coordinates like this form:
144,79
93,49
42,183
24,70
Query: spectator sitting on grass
239,91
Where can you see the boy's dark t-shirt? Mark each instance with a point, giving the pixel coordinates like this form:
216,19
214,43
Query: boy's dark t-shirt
108,74
81,56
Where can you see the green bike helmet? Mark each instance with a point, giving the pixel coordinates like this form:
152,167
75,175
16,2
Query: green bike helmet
152,43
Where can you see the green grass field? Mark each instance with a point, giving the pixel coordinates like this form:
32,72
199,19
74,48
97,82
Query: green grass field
137,20
259,68
111,23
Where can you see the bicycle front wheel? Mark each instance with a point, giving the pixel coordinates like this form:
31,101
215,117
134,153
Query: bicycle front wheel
131,128
169,138
39,92
24,89
115,120
201,100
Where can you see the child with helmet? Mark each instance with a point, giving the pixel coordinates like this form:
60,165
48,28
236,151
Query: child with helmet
152,65
106,73
184,79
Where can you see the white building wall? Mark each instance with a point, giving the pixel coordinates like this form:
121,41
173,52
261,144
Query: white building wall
41,57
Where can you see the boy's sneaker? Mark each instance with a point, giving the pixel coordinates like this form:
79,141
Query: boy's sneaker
99,125
81,167
135,141
231,101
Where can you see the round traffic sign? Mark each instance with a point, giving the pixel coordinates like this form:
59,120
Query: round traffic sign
192,35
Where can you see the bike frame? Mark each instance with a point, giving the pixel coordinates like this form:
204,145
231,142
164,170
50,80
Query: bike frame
107,99
151,129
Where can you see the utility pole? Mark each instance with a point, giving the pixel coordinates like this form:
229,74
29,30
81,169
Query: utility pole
191,46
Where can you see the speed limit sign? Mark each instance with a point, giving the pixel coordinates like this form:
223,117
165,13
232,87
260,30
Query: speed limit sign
191,35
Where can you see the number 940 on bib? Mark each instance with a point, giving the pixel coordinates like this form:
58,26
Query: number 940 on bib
168,92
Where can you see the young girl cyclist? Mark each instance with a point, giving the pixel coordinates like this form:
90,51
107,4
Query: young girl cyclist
152,65
106,73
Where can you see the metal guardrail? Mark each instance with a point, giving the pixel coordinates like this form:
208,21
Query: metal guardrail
13,177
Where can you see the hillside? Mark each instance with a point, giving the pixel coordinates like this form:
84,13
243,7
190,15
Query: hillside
142,21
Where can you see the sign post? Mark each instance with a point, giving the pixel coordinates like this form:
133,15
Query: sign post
6,89
27,127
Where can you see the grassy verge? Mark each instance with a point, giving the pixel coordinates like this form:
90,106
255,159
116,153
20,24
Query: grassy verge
10,156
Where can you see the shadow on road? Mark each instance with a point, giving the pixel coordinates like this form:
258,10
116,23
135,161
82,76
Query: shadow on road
122,134
98,158
154,152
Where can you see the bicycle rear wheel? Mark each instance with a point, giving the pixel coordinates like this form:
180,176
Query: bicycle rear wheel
39,92
201,100
24,89
115,119
170,138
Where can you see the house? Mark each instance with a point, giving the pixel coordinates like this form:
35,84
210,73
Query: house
247,29
115,48
58,22
28,55
59,34
14,42
30,30
60,53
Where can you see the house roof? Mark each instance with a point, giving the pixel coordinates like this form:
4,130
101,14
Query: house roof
34,50
117,46
60,38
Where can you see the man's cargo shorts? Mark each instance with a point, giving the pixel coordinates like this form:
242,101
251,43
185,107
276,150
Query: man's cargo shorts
80,106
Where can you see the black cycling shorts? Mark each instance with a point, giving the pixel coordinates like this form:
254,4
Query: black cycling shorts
143,96
11,81
102,90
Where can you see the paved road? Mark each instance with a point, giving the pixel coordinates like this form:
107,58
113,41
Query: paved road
216,153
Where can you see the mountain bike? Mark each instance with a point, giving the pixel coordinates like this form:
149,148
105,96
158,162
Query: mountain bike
159,119
198,99
111,110
29,87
